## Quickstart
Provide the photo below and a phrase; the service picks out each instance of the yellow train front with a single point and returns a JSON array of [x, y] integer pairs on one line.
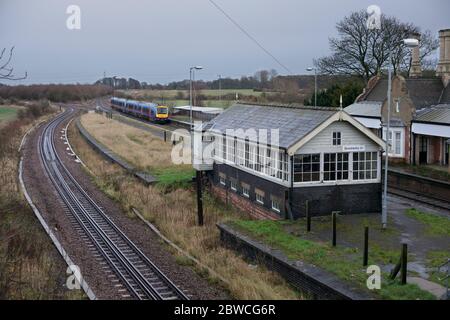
[[162, 114]]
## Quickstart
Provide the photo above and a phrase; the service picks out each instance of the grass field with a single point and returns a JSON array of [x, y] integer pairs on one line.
[[181, 97], [141, 148], [173, 210], [8, 113], [172, 94]]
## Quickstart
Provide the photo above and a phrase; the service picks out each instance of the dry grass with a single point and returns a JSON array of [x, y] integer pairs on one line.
[[141, 148], [30, 267], [174, 212]]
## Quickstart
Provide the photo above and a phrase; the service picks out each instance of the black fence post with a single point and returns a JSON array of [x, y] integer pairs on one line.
[[404, 263], [199, 198], [165, 135], [366, 247], [333, 218], [308, 217]]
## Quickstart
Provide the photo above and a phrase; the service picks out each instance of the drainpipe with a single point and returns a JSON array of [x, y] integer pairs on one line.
[[291, 191], [414, 148]]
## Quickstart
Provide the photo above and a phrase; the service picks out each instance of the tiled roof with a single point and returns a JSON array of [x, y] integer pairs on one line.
[[293, 122], [424, 92], [446, 96], [439, 114], [379, 92], [365, 109]]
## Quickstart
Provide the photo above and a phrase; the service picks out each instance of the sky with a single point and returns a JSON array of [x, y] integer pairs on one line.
[[158, 40]]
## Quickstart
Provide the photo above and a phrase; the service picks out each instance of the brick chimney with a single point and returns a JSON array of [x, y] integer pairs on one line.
[[416, 67], [443, 68]]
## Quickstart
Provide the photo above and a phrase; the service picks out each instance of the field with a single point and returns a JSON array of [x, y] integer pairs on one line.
[[173, 210], [209, 98], [7, 114]]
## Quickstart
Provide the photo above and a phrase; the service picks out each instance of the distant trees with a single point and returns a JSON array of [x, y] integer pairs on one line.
[[331, 97], [53, 92], [363, 52]]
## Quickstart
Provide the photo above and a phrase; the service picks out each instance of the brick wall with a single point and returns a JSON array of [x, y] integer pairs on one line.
[[253, 209]]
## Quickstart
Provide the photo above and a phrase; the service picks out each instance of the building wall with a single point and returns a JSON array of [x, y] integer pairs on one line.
[[323, 142], [322, 199], [349, 199], [270, 188]]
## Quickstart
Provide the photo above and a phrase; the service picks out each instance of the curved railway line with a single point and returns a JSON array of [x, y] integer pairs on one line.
[[142, 278]]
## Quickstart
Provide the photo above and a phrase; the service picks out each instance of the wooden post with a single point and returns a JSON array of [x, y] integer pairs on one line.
[[404, 263], [199, 198], [366, 247], [308, 217], [333, 218]]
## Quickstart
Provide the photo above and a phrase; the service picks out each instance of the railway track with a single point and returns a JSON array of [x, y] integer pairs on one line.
[[439, 204], [142, 279]]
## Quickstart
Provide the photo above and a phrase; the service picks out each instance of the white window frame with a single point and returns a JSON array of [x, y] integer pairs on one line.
[[393, 142], [336, 139], [276, 167], [246, 192], [222, 180], [277, 207], [259, 198], [233, 185]]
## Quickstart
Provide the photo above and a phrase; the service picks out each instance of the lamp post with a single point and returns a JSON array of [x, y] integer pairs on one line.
[[220, 89], [410, 43], [191, 78], [315, 83]]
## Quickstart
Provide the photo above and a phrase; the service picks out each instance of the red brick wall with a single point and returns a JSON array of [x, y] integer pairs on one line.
[[254, 210]]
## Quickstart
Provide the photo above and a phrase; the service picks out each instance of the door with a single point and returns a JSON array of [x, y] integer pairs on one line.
[[423, 150]]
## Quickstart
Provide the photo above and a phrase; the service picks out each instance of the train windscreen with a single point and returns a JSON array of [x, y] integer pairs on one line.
[[162, 110]]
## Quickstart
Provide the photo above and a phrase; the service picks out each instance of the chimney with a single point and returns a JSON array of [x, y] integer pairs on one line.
[[416, 68], [443, 68]]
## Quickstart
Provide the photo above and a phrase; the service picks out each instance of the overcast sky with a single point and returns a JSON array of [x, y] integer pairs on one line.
[[157, 40]]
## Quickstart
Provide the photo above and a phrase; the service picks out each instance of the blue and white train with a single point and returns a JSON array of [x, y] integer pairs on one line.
[[146, 110]]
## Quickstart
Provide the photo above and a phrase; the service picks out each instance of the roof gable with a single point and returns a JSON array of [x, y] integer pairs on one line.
[[338, 116]]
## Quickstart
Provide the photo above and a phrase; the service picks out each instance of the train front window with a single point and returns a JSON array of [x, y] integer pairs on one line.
[[162, 110]]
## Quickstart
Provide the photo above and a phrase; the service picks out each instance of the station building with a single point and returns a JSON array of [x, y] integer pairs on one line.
[[420, 111], [271, 160]]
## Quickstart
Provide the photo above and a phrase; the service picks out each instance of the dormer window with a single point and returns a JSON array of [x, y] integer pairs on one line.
[[336, 138]]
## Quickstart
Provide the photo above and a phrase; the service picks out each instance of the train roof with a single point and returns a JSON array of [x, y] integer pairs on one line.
[[138, 103]]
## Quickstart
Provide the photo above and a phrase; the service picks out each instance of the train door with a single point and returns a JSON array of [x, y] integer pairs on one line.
[[423, 150]]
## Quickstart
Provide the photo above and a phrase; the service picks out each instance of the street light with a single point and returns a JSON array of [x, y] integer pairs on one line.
[[220, 89], [409, 43], [191, 78], [315, 83]]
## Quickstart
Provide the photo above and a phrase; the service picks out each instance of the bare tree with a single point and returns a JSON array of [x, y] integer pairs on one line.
[[6, 71], [364, 52]]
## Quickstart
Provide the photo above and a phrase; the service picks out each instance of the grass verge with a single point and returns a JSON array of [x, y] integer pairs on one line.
[[30, 266], [435, 225]]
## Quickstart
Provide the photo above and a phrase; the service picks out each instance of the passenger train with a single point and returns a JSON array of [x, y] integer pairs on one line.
[[146, 110]]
